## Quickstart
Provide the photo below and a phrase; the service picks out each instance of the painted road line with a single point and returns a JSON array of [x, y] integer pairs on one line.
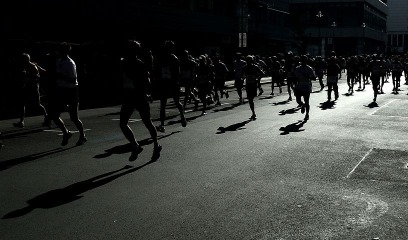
[[130, 120], [60, 132], [383, 106], [358, 164]]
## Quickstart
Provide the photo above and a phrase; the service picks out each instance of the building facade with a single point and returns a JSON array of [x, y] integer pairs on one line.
[[397, 26], [200, 25], [348, 27]]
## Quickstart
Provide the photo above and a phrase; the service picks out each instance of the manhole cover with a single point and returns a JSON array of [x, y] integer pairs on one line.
[[395, 108], [383, 165]]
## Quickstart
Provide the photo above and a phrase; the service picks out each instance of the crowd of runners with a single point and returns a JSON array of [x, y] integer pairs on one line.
[[202, 79]]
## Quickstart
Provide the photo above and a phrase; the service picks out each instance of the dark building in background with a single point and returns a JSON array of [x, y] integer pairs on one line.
[[347, 26], [97, 29], [200, 25]]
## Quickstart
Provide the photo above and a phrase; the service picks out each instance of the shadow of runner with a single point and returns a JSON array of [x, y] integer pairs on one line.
[[233, 127], [327, 105], [58, 197], [17, 161], [127, 148], [372, 105], [294, 127], [289, 111], [281, 103]]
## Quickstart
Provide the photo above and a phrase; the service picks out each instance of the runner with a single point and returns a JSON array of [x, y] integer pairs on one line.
[[220, 74], [397, 69], [320, 69], [333, 75], [239, 64], [169, 74], [375, 67], [203, 82], [290, 65], [188, 74], [136, 83], [252, 72], [275, 69], [303, 85], [352, 73], [30, 90], [66, 95]]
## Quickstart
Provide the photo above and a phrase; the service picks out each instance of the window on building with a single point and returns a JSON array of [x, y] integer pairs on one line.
[[394, 40], [399, 40], [406, 40]]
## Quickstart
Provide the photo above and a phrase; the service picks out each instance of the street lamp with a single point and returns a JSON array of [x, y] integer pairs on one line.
[[334, 24], [363, 26], [319, 15]]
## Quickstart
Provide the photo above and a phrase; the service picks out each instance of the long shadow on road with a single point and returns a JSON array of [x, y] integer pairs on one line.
[[233, 127], [17, 161], [58, 197], [327, 105], [127, 148], [294, 127], [289, 111]]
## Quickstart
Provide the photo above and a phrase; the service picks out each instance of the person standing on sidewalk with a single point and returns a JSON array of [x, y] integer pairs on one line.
[[66, 95], [30, 90], [303, 86], [136, 83], [169, 83]]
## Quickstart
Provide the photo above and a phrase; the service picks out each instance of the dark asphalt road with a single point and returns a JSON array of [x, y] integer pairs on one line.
[[341, 175]]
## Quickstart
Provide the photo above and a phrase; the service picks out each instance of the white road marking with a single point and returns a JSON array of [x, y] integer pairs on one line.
[[358, 164], [383, 106], [60, 132], [130, 120]]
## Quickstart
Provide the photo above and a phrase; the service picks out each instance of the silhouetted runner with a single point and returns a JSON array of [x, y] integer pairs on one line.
[[66, 95], [30, 90], [136, 83], [169, 86], [303, 86]]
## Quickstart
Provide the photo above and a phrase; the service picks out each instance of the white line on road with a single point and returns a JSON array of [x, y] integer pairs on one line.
[[60, 132], [358, 164], [393, 100], [130, 120]]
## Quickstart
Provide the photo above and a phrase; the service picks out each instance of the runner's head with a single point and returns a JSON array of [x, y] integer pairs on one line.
[[65, 48], [25, 58], [249, 59], [169, 46], [133, 48], [303, 59]]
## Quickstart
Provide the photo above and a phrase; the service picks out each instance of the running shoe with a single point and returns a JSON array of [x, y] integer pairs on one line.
[[183, 122], [307, 117], [161, 128], [156, 153], [65, 138], [135, 153], [19, 125], [81, 140]]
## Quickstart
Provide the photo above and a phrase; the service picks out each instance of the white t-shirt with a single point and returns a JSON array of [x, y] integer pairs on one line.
[[67, 74]]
